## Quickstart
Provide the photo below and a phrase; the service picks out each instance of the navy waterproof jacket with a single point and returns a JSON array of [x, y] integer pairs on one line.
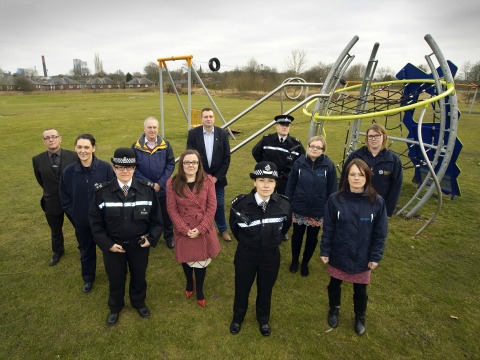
[[77, 187], [354, 231], [310, 184], [387, 174]]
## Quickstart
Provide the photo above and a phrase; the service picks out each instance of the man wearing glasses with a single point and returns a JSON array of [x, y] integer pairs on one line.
[[47, 167], [125, 220], [385, 164], [156, 162]]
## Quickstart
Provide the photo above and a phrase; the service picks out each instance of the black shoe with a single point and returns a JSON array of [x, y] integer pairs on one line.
[[170, 243], [234, 328], [265, 330], [304, 270], [294, 267], [55, 258], [333, 316], [112, 319], [143, 312], [87, 286]]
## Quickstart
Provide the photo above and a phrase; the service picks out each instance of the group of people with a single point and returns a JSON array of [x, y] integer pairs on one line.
[[124, 207]]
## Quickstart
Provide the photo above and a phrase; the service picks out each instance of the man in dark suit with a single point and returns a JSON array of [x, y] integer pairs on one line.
[[48, 166], [212, 144]]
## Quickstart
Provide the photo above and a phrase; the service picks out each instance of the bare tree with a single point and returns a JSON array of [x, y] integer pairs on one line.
[[152, 71], [98, 66], [466, 68], [384, 74], [252, 66], [355, 72], [297, 61]]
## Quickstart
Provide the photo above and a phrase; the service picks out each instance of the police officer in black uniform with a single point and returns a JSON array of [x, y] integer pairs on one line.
[[281, 149], [259, 222], [125, 219]]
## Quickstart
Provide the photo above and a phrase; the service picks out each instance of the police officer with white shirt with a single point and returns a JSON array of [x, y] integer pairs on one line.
[[125, 219], [281, 149], [259, 221]]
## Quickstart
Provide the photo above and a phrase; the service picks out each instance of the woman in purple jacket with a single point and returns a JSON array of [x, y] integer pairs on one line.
[[191, 204]]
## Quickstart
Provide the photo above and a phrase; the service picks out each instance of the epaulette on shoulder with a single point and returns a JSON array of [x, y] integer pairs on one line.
[[147, 182], [100, 186], [238, 198], [284, 197], [295, 139]]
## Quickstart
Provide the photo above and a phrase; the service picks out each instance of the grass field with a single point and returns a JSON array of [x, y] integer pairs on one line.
[[424, 297]]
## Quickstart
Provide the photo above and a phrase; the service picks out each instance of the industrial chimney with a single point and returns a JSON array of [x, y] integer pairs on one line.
[[44, 66]]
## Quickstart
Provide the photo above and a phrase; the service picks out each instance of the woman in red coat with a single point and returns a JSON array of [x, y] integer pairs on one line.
[[191, 204]]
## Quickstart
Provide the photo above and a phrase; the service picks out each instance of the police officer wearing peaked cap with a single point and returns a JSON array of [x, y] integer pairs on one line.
[[281, 149], [125, 219], [259, 221]]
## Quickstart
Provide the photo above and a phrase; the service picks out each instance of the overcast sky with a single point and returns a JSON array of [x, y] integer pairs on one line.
[[129, 34]]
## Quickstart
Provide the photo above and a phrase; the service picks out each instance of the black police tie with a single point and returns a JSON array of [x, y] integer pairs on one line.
[[281, 140], [263, 204], [125, 190], [53, 159]]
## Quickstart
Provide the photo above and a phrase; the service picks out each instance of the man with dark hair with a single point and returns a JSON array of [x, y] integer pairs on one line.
[[155, 163], [212, 144], [47, 167]]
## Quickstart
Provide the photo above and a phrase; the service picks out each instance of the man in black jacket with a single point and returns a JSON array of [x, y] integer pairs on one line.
[[47, 167], [125, 220], [281, 149], [212, 144]]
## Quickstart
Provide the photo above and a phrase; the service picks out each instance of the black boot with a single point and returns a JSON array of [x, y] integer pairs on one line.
[[333, 316], [360, 309], [360, 323]]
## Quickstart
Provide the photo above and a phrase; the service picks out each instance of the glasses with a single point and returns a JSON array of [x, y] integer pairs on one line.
[[313, 147], [374, 137], [123, 168], [190, 163], [53, 137]]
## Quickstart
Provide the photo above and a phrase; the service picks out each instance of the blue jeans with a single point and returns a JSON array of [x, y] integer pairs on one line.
[[220, 219]]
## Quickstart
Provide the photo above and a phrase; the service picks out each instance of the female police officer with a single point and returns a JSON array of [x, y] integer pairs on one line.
[[259, 222], [125, 220]]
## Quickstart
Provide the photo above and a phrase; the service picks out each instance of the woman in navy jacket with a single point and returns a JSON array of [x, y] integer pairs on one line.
[[354, 232], [77, 187], [312, 179]]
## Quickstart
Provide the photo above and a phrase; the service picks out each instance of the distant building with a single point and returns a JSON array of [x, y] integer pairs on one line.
[[78, 66], [140, 82]]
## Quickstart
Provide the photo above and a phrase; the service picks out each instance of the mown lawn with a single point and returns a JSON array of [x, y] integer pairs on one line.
[[424, 297]]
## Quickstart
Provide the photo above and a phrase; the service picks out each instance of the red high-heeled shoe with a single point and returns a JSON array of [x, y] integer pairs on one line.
[[188, 294], [202, 303]]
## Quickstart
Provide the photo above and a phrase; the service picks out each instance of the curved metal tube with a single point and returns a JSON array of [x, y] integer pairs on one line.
[[432, 174]]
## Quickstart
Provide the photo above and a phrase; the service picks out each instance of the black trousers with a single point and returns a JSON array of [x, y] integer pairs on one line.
[[264, 266], [310, 242], [167, 222], [55, 222], [134, 260], [88, 252]]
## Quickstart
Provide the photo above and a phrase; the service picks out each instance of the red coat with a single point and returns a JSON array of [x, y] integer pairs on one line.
[[190, 212]]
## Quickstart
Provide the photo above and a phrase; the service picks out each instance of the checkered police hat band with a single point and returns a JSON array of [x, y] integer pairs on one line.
[[261, 172], [124, 160]]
